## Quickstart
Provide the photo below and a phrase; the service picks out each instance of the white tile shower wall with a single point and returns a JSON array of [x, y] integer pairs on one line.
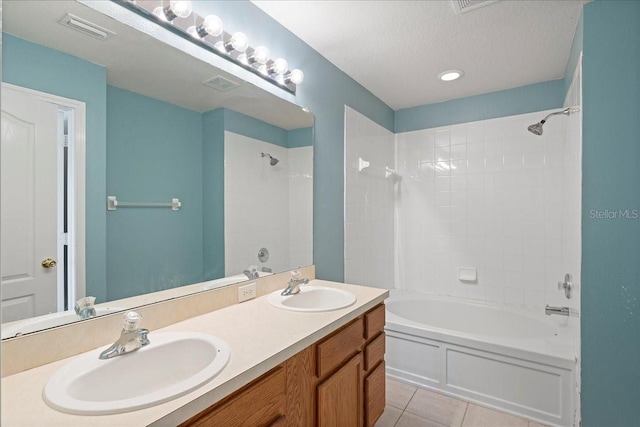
[[572, 219], [257, 205], [369, 202], [484, 195], [300, 206]]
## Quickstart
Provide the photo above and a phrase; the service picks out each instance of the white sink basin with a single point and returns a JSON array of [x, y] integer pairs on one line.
[[173, 364], [313, 298]]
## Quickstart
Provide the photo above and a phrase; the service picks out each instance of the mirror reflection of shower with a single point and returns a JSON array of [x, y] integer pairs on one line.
[[536, 128], [272, 160]]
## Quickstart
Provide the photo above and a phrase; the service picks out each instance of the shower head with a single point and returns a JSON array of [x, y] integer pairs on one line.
[[536, 129], [272, 160]]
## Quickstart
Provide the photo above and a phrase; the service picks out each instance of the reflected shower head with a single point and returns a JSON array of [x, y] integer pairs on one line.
[[272, 160], [536, 129]]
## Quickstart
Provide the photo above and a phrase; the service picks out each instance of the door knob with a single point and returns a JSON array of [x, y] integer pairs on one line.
[[49, 263]]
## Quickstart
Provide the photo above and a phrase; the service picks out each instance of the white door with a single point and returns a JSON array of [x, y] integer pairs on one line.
[[29, 206]]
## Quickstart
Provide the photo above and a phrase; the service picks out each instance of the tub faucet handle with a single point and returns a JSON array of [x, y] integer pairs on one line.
[[566, 285]]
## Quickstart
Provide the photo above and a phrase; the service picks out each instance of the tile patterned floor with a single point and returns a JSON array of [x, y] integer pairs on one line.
[[409, 406]]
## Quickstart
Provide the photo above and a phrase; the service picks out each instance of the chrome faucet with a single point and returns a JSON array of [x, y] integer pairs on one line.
[[84, 307], [561, 311], [131, 338], [294, 284], [251, 272]]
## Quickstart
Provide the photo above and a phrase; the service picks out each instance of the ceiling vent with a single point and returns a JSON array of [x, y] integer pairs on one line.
[[85, 27], [462, 6], [220, 83]]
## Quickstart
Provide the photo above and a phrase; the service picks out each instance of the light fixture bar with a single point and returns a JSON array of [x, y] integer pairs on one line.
[[232, 47]]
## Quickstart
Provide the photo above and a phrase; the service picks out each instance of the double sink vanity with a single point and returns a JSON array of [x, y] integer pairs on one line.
[[313, 358]]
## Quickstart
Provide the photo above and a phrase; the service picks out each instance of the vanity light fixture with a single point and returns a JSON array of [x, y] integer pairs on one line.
[[208, 33], [450, 75]]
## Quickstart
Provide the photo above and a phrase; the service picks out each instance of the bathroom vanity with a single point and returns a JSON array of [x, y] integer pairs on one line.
[[337, 381], [286, 368]]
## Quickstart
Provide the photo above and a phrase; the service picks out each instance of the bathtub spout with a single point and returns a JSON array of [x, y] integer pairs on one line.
[[561, 311]]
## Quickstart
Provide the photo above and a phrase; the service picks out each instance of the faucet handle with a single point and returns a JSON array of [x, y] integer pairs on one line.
[[131, 321], [83, 304], [295, 274], [566, 285]]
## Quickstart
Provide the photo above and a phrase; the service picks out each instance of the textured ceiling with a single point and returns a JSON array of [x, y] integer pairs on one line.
[[396, 49]]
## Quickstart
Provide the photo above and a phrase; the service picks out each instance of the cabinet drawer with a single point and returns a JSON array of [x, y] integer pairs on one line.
[[374, 352], [374, 395], [339, 347], [374, 322], [261, 403]]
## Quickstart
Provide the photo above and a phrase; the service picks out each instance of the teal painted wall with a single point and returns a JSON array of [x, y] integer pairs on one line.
[[248, 126], [610, 318], [520, 100], [213, 193], [324, 91], [154, 153], [302, 137], [37, 67]]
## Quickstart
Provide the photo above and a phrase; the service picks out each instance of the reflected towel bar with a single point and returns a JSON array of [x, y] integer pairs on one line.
[[113, 204]]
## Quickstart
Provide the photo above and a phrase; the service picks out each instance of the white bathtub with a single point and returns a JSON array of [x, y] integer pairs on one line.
[[517, 361]]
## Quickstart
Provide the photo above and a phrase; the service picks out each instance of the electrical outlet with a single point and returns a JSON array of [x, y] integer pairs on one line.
[[246, 292]]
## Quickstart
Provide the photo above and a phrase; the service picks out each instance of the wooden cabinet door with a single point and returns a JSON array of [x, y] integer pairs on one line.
[[340, 396], [374, 394]]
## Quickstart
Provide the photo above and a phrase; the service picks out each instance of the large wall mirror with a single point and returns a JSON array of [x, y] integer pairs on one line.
[[100, 135]]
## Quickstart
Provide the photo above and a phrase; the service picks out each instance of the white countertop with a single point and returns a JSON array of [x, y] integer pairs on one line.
[[260, 337]]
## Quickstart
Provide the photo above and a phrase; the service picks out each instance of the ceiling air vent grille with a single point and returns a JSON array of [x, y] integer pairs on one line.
[[462, 6], [220, 83], [85, 27]]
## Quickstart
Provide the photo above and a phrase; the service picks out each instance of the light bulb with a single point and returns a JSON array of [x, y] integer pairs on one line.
[[212, 26], [280, 66], [260, 55], [239, 41], [295, 76], [180, 8], [263, 70], [243, 58]]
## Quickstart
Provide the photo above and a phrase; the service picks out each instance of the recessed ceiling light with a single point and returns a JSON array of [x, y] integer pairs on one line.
[[450, 75]]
